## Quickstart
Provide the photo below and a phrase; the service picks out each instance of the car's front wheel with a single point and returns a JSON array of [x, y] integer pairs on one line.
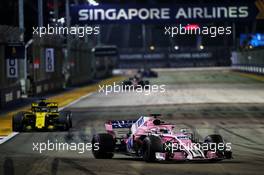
[[103, 146], [216, 143], [151, 145]]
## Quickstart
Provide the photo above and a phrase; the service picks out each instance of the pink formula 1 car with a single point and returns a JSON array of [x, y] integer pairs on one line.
[[155, 140]]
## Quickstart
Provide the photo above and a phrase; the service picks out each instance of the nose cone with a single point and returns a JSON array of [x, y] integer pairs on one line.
[[40, 120]]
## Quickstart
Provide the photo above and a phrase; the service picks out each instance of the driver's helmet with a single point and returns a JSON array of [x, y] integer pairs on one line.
[[160, 131], [40, 109]]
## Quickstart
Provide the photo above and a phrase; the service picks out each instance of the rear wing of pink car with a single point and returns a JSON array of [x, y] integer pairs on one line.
[[116, 124], [119, 128]]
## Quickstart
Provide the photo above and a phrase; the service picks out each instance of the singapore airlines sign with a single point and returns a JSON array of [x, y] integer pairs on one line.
[[83, 14]]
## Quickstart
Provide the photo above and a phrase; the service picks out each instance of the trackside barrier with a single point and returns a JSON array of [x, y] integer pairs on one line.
[[45, 71], [10, 94], [10, 89], [81, 63], [249, 68], [251, 61], [184, 57]]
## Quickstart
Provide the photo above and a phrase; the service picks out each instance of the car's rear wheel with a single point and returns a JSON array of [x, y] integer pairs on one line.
[[213, 142], [151, 145], [214, 138], [103, 146], [17, 122]]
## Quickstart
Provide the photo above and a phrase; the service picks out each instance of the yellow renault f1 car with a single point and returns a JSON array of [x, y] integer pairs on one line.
[[42, 116]]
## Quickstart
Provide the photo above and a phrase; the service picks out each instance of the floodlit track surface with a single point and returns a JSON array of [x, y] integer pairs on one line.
[[240, 123]]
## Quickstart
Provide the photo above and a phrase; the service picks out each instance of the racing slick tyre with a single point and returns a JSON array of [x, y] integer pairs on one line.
[[151, 145], [143, 84], [17, 122], [65, 120], [146, 82], [126, 84], [103, 146], [216, 139], [69, 118]]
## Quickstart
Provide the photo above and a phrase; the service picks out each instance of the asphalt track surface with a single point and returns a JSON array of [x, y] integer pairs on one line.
[[240, 123]]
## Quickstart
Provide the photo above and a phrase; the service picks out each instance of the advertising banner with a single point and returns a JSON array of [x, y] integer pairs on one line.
[[170, 13]]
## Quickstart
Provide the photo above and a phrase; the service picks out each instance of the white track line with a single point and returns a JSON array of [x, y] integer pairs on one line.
[[13, 134], [76, 101]]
